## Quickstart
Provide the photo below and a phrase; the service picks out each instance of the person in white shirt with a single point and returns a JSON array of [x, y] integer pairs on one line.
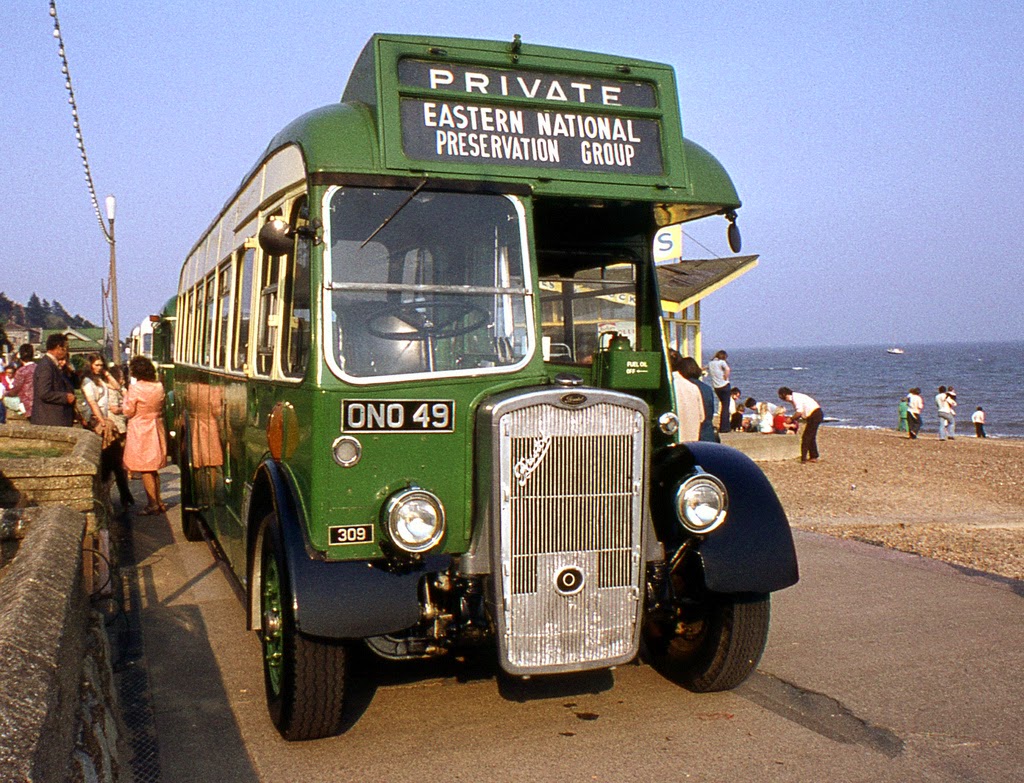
[[806, 408], [915, 404], [719, 373], [947, 423], [978, 417]]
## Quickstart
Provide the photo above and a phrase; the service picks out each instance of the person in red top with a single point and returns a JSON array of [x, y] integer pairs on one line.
[[7, 400], [24, 384]]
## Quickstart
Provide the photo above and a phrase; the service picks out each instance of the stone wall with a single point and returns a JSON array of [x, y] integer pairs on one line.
[[764, 447], [71, 478], [59, 719]]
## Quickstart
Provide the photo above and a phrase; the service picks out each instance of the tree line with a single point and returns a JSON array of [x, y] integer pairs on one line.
[[39, 314]]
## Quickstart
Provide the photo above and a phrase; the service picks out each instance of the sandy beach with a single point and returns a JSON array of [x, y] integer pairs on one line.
[[961, 501]]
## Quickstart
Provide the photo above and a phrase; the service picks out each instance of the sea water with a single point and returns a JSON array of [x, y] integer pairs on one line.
[[861, 385]]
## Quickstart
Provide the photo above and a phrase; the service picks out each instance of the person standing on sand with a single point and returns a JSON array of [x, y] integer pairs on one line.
[[945, 410], [807, 409], [719, 373], [915, 404], [978, 417], [951, 398]]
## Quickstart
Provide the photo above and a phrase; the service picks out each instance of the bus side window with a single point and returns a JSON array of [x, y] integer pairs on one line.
[[209, 321], [224, 297], [243, 308], [190, 348], [268, 323], [297, 303]]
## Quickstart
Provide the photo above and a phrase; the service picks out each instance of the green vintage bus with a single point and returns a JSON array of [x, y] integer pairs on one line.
[[421, 391]]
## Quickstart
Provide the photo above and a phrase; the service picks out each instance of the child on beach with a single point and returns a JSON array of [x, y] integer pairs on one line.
[[978, 417]]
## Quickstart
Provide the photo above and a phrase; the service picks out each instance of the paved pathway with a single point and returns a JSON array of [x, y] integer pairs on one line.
[[880, 667]]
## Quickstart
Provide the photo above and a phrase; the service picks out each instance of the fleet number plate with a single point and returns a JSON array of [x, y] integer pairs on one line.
[[350, 534], [398, 416]]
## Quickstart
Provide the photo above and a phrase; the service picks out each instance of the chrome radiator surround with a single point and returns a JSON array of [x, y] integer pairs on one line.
[[568, 521]]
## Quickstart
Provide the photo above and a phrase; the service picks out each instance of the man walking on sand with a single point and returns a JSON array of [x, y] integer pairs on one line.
[[807, 409]]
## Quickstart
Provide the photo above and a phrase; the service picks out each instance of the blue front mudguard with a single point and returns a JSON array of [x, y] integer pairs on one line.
[[342, 600], [752, 552]]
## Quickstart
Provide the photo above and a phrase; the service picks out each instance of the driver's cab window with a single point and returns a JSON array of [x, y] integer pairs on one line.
[[425, 283], [584, 308]]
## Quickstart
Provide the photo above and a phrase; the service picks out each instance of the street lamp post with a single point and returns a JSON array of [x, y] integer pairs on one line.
[[116, 352]]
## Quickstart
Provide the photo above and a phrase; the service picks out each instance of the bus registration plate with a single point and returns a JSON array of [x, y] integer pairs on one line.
[[398, 416]]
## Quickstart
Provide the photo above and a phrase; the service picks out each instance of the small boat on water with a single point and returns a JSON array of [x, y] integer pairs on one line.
[[894, 350]]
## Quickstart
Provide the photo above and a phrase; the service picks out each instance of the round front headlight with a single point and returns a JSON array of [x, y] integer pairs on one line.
[[701, 503], [415, 520]]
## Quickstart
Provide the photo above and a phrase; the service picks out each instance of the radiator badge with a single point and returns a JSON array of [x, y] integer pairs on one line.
[[524, 468], [574, 398]]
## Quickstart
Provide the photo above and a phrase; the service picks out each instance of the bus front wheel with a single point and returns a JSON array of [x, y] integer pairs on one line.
[[712, 641], [304, 675]]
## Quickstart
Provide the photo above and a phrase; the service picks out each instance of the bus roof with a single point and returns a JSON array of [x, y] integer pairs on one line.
[[563, 122], [551, 122]]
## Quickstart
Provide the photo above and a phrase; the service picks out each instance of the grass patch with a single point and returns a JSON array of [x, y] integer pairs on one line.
[[29, 449]]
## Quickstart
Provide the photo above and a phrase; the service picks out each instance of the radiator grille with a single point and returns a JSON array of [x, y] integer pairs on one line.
[[571, 514]]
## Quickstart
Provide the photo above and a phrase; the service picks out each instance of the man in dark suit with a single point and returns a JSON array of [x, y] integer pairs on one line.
[[53, 398]]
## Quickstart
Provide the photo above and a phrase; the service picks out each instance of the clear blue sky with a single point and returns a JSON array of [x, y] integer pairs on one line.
[[878, 147]]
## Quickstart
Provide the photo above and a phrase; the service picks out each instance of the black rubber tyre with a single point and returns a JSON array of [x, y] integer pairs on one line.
[[191, 525], [191, 522], [717, 643], [304, 676]]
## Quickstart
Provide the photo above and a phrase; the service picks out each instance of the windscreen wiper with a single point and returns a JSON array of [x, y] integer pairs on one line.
[[398, 209]]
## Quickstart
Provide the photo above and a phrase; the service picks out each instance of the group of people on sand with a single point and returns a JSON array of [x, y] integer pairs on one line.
[[912, 405], [763, 417], [695, 405]]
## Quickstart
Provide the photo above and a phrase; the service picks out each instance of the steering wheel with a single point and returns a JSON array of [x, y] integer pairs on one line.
[[429, 320]]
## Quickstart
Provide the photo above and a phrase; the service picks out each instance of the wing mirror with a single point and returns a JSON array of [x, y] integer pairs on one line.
[[276, 237], [733, 233]]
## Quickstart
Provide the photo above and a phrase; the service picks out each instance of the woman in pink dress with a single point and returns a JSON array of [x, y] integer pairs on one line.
[[145, 450]]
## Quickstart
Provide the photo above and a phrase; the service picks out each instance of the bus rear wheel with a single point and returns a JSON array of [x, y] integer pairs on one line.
[[191, 523], [304, 676]]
